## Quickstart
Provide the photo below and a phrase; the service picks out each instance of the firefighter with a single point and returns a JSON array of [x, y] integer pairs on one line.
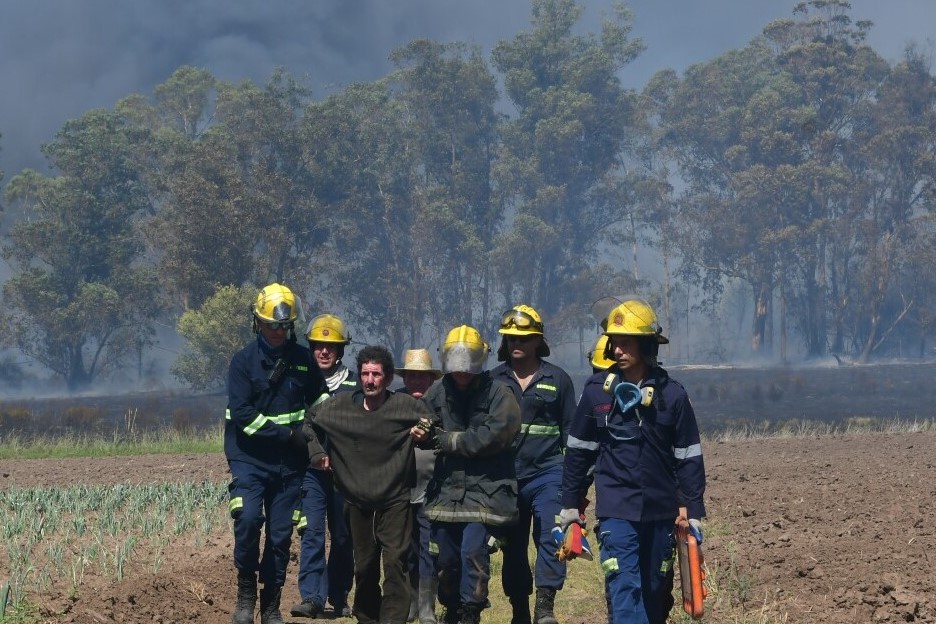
[[597, 358], [473, 490], [648, 464], [547, 403], [321, 501], [418, 375], [271, 382]]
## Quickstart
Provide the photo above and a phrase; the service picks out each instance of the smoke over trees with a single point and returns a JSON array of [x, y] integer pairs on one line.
[[799, 168]]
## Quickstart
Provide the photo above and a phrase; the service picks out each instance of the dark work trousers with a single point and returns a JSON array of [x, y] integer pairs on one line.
[[637, 559], [463, 562], [263, 499], [319, 580], [539, 504], [378, 533], [421, 563]]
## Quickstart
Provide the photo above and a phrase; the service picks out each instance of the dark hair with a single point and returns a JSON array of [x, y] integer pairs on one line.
[[377, 355]]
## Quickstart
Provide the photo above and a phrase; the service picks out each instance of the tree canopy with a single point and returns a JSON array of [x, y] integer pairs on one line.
[[798, 170]]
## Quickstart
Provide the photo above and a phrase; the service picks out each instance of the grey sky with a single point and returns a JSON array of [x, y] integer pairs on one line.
[[60, 58]]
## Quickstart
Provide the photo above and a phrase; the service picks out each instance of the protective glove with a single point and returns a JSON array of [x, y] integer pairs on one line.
[[696, 527], [569, 515], [297, 440]]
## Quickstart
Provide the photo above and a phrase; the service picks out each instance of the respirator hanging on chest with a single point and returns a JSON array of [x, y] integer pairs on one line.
[[626, 394]]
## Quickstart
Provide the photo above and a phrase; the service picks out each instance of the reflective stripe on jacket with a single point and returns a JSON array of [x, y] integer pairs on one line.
[[547, 407], [260, 418], [648, 461], [474, 478]]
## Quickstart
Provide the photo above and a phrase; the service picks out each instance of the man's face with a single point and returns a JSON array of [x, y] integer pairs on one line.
[[523, 347], [373, 379], [462, 380], [325, 354], [625, 351], [417, 382], [274, 333]]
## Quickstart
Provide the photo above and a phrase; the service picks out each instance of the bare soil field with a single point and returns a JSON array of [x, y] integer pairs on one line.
[[833, 529]]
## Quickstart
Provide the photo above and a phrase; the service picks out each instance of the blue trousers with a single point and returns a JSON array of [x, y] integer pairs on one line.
[[263, 499], [421, 563], [463, 563], [319, 579], [539, 505], [637, 559]]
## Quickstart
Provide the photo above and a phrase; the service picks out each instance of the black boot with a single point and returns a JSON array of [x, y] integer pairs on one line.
[[470, 614], [413, 605], [246, 598], [521, 610], [543, 609], [451, 615], [270, 604], [428, 588]]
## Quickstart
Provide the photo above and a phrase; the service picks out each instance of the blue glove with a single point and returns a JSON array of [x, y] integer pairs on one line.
[[696, 527]]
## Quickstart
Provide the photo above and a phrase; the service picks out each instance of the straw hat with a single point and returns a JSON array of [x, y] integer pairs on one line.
[[418, 360]]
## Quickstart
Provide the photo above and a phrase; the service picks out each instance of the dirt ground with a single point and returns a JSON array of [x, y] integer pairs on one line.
[[833, 529]]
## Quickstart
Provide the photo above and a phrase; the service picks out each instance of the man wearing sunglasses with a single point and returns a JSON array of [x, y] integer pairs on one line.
[[547, 404], [271, 382], [636, 426]]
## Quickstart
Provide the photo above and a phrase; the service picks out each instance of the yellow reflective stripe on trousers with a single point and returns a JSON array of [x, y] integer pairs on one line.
[[609, 565], [544, 430], [236, 503]]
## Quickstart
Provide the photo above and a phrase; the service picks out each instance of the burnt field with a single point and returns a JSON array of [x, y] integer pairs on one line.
[[762, 399]]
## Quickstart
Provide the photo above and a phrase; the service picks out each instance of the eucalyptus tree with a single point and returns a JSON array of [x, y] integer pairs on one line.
[[895, 184], [200, 231], [446, 95], [716, 125], [762, 137], [285, 219], [570, 127], [363, 162], [81, 299], [232, 193], [834, 74]]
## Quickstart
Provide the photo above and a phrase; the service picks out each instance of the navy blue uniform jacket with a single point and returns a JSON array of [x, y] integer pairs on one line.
[[260, 417], [648, 463]]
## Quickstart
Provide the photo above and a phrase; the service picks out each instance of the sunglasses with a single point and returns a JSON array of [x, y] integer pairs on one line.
[[520, 320], [280, 325]]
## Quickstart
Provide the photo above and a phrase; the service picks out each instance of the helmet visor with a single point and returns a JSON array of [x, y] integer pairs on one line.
[[520, 320], [283, 312], [461, 357]]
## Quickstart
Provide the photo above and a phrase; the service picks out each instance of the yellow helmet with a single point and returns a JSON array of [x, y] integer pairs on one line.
[[464, 351], [634, 317], [597, 357], [328, 328], [276, 304], [521, 320]]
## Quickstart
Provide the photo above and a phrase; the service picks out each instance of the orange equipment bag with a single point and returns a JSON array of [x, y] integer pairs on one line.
[[691, 574]]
